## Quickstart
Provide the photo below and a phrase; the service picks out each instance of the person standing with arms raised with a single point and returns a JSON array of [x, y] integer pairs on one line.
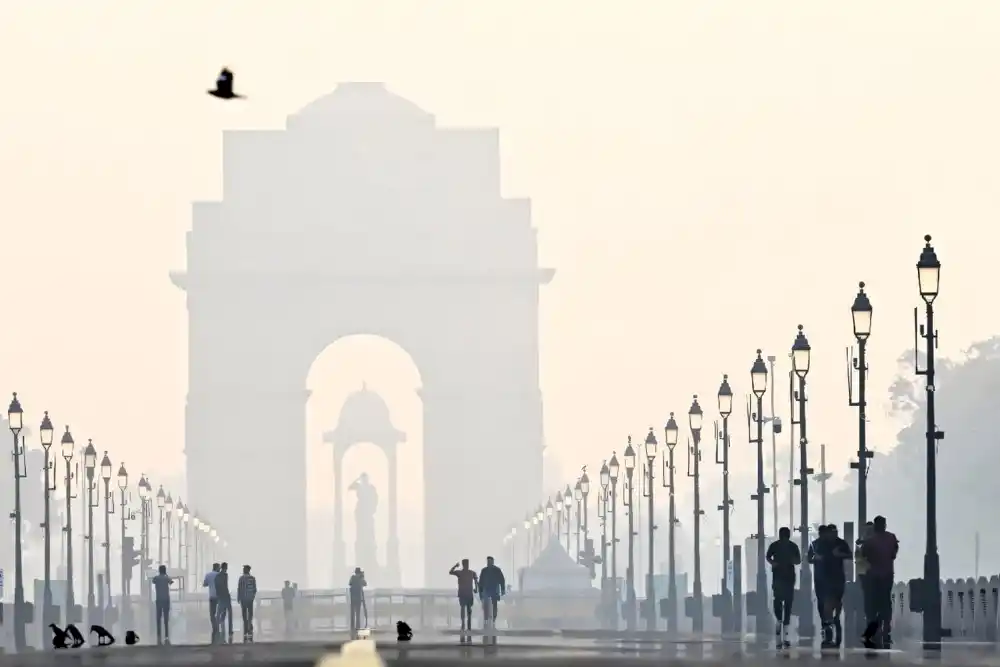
[[468, 584]]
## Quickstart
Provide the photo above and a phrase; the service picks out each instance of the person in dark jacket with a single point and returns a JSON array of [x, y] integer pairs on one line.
[[783, 556], [492, 586], [225, 600], [246, 591], [880, 550]]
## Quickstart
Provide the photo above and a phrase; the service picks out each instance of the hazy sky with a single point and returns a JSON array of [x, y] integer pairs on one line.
[[705, 176]]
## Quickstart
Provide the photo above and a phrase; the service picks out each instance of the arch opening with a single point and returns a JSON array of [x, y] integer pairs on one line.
[[364, 416]]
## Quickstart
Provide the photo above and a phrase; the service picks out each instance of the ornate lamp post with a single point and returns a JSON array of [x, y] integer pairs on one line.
[[46, 433], [758, 381], [861, 318], [929, 281], [584, 485], [126, 557], [15, 420], [90, 465], [109, 509], [613, 471], [695, 418], [578, 497], [670, 436], [602, 514], [145, 491], [630, 498], [801, 353], [652, 447], [567, 507], [68, 447], [180, 510], [161, 502], [168, 507], [725, 397], [549, 510]]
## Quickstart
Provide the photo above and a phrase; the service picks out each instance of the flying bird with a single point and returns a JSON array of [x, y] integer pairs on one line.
[[224, 86], [60, 638], [104, 638]]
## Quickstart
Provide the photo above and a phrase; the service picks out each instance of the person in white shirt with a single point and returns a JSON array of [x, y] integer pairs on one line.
[[213, 600]]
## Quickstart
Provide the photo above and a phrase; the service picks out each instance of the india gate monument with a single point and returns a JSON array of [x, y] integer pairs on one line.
[[362, 216]]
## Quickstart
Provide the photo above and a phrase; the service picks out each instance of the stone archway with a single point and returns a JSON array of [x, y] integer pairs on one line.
[[362, 216]]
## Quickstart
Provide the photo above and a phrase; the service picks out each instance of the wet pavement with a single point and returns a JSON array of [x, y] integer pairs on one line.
[[544, 648]]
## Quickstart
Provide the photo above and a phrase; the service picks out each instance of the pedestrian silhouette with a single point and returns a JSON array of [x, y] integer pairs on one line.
[[224, 86], [104, 638], [131, 638]]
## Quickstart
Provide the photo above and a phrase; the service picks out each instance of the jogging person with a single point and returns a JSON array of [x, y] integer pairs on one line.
[[835, 556], [783, 556], [213, 600], [880, 549], [861, 570], [491, 587], [468, 586], [246, 591]]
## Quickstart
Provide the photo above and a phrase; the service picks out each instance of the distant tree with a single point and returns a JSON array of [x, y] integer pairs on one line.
[[968, 461]]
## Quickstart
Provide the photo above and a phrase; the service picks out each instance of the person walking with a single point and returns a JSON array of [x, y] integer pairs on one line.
[[288, 604], [468, 585], [813, 558], [225, 601], [246, 591], [356, 587], [783, 556], [492, 587], [880, 550], [161, 585], [213, 600]]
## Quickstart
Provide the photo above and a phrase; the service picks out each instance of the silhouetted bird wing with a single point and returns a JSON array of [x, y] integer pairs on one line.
[[73, 632], [102, 634], [60, 638]]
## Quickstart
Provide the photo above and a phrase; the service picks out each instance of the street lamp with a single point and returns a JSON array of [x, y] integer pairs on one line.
[[613, 471], [695, 419], [578, 498], [168, 507], [651, 446], [758, 381], [90, 466], [584, 486], [670, 433], [109, 509], [15, 420], [548, 518], [68, 448], [861, 318], [126, 557], [630, 498], [567, 506], [161, 501], [929, 282], [604, 478], [801, 355], [145, 500], [46, 434], [725, 399]]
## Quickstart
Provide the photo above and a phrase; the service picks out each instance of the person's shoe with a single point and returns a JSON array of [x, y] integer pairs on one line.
[[785, 634]]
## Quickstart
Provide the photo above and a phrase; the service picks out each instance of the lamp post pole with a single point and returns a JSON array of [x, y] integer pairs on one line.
[[46, 432], [126, 566], [861, 318], [725, 397], [651, 451], [109, 509], [695, 418], [15, 420], [90, 463], [168, 507], [68, 447], [630, 573], [670, 436], [567, 511], [578, 497], [801, 353], [161, 500], [145, 519], [758, 377], [929, 279], [614, 467], [602, 515]]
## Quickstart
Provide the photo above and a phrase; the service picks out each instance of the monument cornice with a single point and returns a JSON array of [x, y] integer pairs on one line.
[[185, 280]]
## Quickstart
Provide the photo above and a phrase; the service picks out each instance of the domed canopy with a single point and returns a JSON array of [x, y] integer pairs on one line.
[[364, 417], [370, 99]]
